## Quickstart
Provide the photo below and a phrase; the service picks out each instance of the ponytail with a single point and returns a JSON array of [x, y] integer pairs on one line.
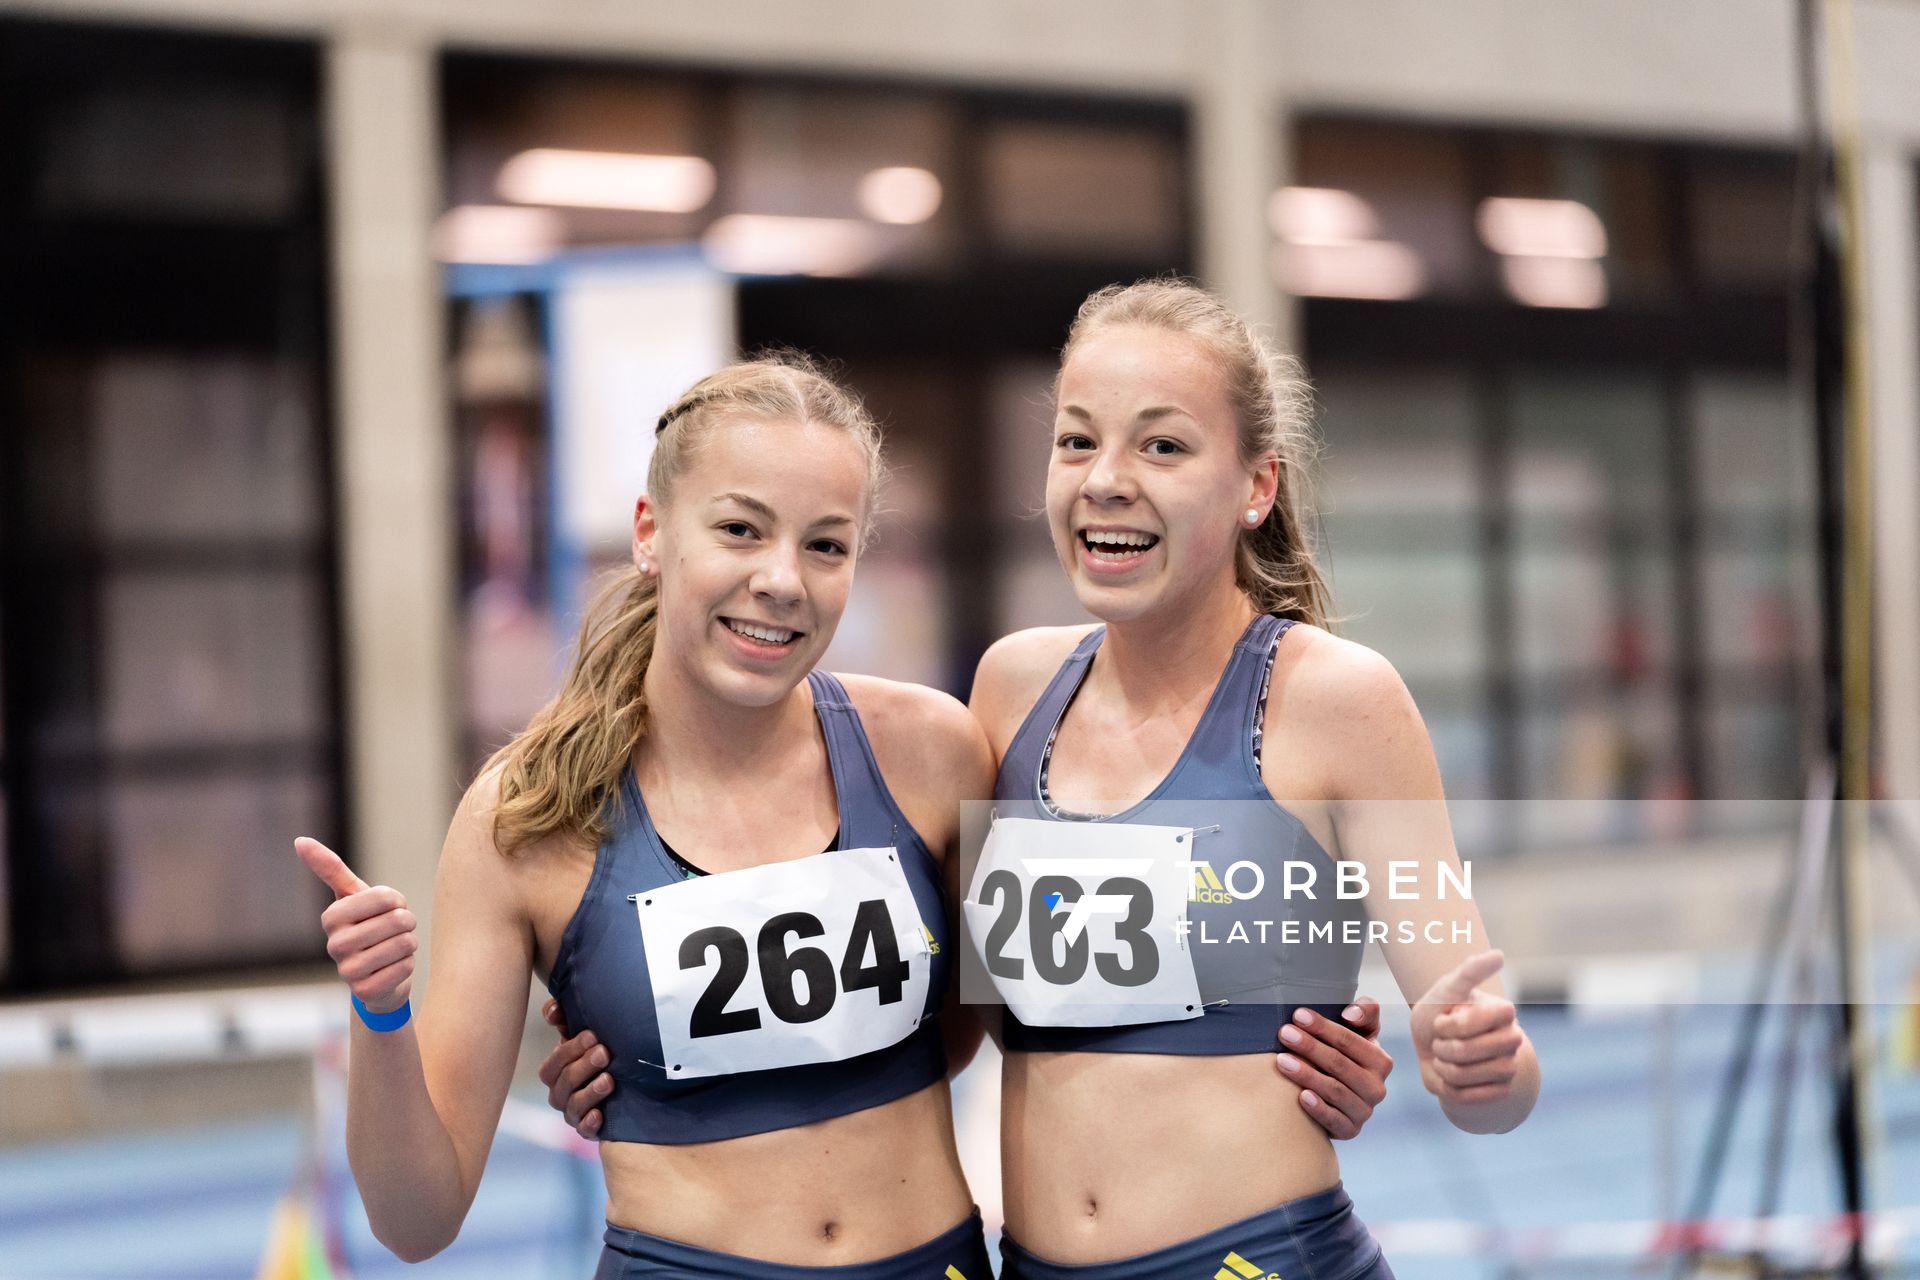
[[560, 771]]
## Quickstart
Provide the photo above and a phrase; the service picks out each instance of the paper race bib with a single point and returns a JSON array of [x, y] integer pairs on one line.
[[1080, 924], [814, 960]]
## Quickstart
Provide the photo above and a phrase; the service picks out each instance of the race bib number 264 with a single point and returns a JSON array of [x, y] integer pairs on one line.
[[817, 959]]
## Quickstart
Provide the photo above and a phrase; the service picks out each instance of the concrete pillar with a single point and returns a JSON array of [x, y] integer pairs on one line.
[[1890, 210], [393, 452], [1238, 139]]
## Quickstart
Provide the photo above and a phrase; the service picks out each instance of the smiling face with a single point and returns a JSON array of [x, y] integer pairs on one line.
[[755, 552], [1146, 490]]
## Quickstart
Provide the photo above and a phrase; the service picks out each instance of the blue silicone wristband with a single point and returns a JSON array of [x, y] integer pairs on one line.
[[391, 1021]]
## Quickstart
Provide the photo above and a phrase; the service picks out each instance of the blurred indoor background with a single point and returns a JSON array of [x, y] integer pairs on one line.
[[332, 334]]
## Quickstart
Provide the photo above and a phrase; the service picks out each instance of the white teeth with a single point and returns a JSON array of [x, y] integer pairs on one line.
[[754, 631], [1103, 538]]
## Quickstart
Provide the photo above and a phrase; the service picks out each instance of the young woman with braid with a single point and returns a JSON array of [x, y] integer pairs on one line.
[[651, 846]]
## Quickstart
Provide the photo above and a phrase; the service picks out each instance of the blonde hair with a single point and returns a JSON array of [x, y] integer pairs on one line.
[[1272, 405], [558, 774]]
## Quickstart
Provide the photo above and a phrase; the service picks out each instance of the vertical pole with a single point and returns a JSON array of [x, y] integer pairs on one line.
[[1239, 142], [395, 484]]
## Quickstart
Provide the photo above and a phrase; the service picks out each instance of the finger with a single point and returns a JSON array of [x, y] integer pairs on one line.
[[580, 1068], [392, 983], [564, 1055], [1478, 1016], [1329, 1119], [342, 943], [1332, 1048], [1481, 1093], [1343, 1112], [1338, 1126], [589, 1124], [554, 1015], [1457, 986], [363, 905], [326, 864], [363, 964], [1499, 1071], [576, 1079], [1363, 1016], [1365, 1078], [1501, 1043], [588, 1098]]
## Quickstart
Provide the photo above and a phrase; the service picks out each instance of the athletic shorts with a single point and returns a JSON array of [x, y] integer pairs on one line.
[[1316, 1237], [959, 1254]]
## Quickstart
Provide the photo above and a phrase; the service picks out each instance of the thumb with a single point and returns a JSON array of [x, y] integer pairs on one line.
[[1457, 987], [326, 864]]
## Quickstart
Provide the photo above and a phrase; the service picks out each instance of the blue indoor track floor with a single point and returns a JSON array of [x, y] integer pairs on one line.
[[1616, 1138]]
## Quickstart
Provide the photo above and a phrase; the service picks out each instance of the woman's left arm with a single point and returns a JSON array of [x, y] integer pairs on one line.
[[1389, 816]]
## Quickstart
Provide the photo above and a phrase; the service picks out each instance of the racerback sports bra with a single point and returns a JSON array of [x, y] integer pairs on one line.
[[600, 975], [1248, 989]]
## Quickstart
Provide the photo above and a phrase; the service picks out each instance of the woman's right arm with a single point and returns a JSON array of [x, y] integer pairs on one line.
[[423, 1101]]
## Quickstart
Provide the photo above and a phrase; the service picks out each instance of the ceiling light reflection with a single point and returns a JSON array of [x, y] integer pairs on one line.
[[1321, 215], [497, 234], [900, 194], [755, 244], [607, 180], [1555, 282], [1541, 228], [1379, 269]]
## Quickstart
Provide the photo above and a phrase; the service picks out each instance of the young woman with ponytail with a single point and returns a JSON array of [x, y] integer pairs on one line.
[[782, 1106], [1175, 495]]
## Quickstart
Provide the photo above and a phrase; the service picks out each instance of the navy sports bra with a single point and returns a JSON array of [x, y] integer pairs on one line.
[[1248, 988], [600, 974]]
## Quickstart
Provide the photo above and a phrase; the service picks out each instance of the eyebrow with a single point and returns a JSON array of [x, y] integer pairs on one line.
[[1153, 414], [766, 512]]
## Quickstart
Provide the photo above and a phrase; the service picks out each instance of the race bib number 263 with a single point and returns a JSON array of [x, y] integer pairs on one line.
[[1079, 924]]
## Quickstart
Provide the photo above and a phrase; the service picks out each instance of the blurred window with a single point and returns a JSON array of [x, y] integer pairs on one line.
[[1568, 478], [1401, 479], [1067, 189], [167, 620], [1739, 210]]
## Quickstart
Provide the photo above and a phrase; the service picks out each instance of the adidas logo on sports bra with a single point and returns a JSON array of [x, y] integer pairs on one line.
[[1207, 886]]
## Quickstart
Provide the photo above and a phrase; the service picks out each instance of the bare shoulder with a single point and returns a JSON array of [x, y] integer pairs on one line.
[[1350, 702], [470, 835], [928, 745], [1013, 672], [473, 851], [1323, 672]]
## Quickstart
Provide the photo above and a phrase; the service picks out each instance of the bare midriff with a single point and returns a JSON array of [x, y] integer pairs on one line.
[[851, 1189], [1108, 1155]]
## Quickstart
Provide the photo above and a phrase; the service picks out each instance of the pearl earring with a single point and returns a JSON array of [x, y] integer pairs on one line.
[[1253, 515]]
